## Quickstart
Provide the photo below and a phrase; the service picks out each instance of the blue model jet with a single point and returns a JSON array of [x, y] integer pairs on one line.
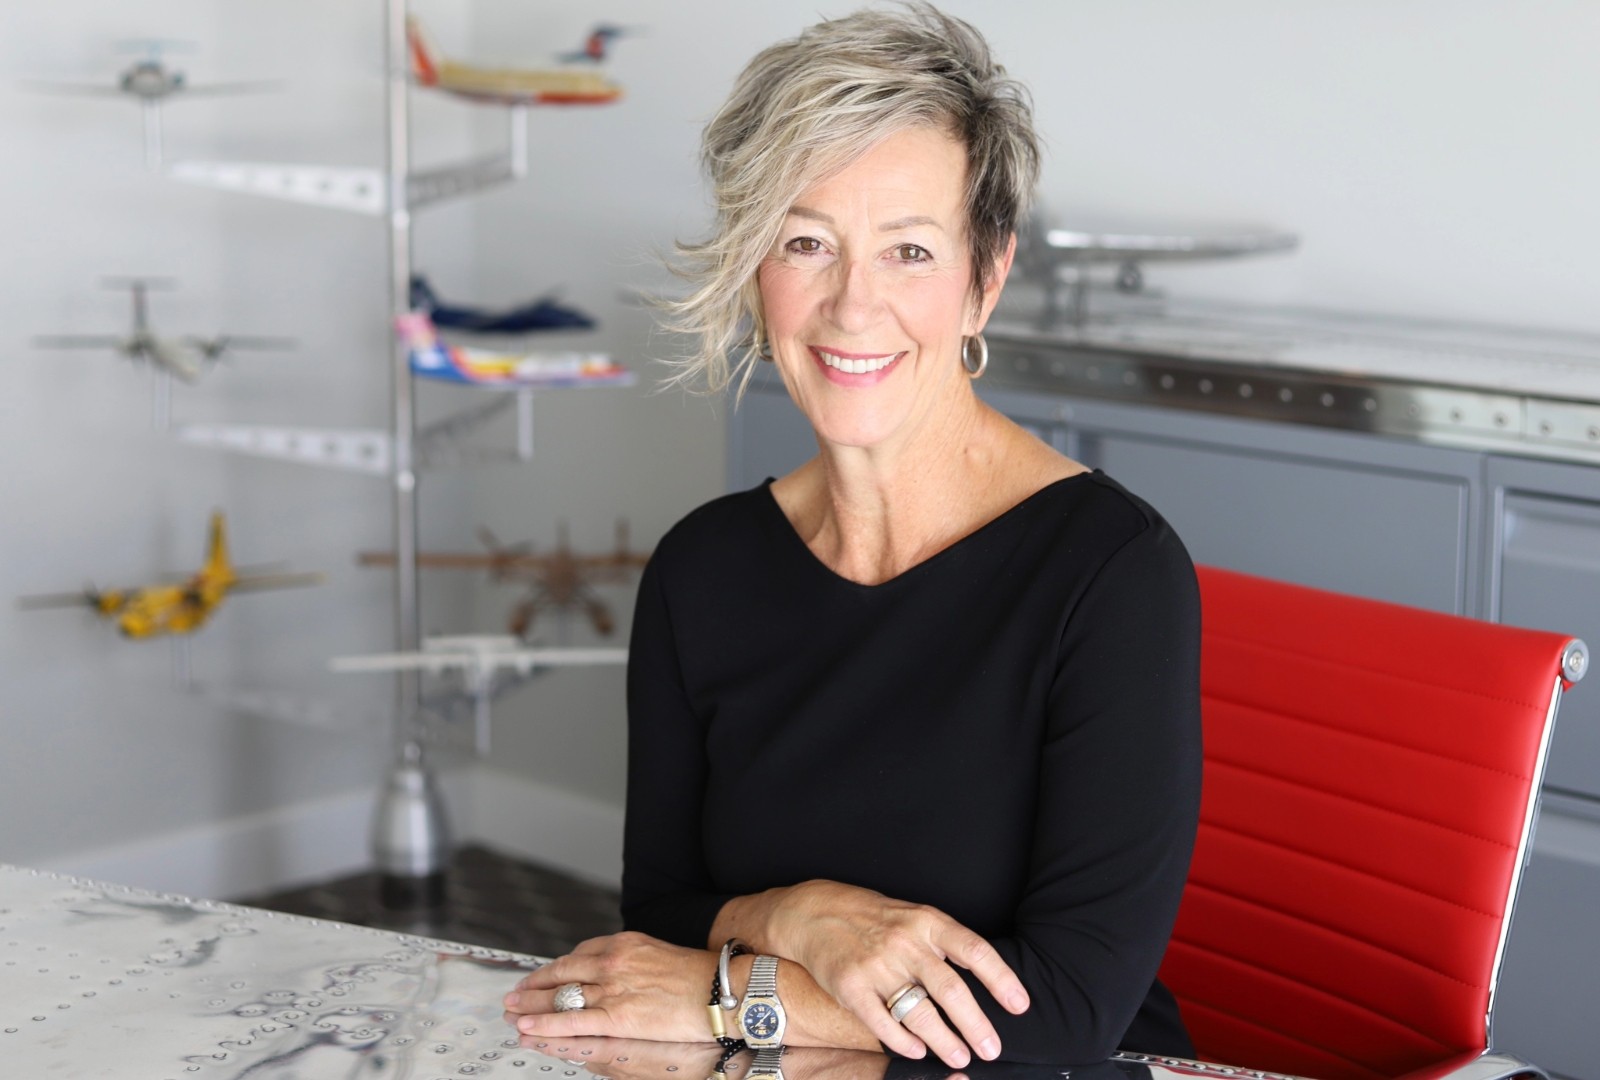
[[545, 313]]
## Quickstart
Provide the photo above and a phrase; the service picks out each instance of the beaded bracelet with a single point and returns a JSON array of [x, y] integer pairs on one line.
[[721, 1002], [731, 1048]]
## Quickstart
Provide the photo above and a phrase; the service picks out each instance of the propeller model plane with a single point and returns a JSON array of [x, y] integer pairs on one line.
[[433, 359], [184, 357], [174, 608], [477, 668], [572, 85], [561, 580], [545, 313], [150, 81]]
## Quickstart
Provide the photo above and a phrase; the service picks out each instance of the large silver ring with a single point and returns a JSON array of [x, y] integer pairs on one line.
[[569, 998], [905, 999]]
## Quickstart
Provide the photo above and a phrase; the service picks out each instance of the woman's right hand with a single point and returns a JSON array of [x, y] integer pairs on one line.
[[861, 947]]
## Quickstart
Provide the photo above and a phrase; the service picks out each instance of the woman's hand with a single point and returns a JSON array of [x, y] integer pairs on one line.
[[861, 947], [634, 986]]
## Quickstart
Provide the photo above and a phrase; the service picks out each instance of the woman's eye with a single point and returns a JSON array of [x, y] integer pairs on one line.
[[805, 245], [911, 253]]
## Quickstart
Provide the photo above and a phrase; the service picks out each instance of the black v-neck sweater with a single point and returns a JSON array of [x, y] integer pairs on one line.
[[1008, 731]]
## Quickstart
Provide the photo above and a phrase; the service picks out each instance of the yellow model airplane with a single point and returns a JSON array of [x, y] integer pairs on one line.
[[179, 607]]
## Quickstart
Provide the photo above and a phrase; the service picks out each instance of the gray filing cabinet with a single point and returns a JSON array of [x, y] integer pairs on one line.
[[1456, 530]]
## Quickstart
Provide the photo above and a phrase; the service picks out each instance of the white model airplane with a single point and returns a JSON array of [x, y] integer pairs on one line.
[[478, 659], [185, 358], [150, 82]]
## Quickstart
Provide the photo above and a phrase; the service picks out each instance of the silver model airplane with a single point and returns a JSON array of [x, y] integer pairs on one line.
[[185, 358], [150, 81]]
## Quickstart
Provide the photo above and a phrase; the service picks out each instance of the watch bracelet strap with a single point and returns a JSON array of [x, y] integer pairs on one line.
[[769, 1057], [763, 978]]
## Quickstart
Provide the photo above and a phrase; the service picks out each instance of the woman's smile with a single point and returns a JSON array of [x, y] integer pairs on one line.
[[854, 369]]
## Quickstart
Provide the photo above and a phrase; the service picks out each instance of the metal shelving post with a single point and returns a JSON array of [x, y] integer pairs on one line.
[[410, 835]]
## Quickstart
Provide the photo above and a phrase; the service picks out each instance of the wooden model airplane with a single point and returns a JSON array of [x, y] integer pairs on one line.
[[560, 581], [177, 607], [185, 357], [574, 85]]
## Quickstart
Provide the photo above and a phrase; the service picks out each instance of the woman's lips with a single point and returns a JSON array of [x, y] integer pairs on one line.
[[854, 369]]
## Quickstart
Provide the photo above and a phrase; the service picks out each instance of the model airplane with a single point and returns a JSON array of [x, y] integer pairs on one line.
[[178, 607], [597, 44], [434, 359], [479, 655], [150, 82], [184, 357], [561, 580], [545, 313], [514, 86], [477, 669]]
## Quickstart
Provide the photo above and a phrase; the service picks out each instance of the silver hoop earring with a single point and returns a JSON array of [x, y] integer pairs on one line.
[[764, 351], [970, 345]]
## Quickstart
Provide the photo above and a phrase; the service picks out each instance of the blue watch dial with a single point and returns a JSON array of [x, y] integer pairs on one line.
[[761, 1020]]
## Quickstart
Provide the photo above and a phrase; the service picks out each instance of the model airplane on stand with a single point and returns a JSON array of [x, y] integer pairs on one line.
[[477, 668], [561, 581], [150, 82], [433, 359], [545, 313], [185, 358], [174, 608], [570, 85]]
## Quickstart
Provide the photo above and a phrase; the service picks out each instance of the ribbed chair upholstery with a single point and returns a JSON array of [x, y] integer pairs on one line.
[[1371, 779]]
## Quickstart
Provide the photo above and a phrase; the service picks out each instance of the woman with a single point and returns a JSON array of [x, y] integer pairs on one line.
[[919, 719]]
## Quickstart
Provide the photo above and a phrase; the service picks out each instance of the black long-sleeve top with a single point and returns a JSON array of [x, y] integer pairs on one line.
[[1008, 731]]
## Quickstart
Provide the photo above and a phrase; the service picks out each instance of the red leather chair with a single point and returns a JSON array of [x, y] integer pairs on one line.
[[1372, 776]]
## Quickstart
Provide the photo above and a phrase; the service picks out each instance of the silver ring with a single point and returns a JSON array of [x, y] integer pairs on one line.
[[906, 999], [569, 998]]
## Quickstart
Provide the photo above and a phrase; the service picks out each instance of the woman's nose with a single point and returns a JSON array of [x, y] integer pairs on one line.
[[855, 298]]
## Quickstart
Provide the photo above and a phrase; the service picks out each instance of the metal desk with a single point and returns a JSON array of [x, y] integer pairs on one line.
[[101, 982]]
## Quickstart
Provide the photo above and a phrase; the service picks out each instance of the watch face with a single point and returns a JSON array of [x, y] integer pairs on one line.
[[761, 1021]]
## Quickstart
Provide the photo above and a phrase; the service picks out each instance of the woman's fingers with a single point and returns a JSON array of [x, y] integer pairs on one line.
[[541, 1000], [955, 999], [869, 1008], [562, 1025], [979, 957], [923, 1019]]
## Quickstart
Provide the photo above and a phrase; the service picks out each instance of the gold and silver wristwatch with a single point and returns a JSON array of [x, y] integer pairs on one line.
[[768, 1064], [761, 1015]]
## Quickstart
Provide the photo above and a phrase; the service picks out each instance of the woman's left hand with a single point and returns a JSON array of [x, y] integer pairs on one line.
[[634, 987]]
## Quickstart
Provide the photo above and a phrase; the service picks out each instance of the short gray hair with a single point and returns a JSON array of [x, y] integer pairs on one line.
[[806, 108]]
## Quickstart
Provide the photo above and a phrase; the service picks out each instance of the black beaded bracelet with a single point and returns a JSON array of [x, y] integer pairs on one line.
[[731, 1048]]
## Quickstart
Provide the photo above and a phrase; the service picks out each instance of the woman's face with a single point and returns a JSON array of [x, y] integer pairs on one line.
[[868, 292]]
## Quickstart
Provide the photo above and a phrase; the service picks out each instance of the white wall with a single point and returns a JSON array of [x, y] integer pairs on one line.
[[1436, 155]]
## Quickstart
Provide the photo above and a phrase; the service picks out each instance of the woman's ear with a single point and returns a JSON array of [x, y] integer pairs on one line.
[[997, 282]]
